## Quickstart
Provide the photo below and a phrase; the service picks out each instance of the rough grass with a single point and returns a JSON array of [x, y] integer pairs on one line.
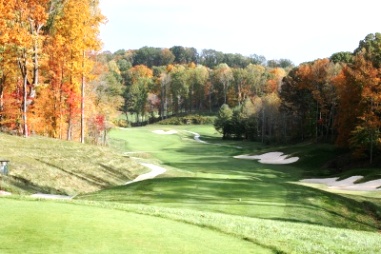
[[47, 165]]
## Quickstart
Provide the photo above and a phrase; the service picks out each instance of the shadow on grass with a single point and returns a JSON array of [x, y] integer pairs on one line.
[[331, 209], [230, 167], [27, 185], [260, 199], [115, 173], [91, 179]]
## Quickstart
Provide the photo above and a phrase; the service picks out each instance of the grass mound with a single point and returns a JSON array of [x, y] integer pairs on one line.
[[39, 164]]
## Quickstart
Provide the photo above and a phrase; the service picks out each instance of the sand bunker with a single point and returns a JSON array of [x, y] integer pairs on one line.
[[270, 158], [346, 184], [165, 132]]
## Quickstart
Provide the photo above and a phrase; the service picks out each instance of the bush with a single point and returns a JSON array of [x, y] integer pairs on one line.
[[189, 119], [122, 123]]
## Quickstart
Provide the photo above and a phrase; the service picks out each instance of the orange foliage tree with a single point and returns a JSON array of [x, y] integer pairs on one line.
[[48, 92], [359, 118]]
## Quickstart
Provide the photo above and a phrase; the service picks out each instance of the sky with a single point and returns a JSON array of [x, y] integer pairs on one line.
[[298, 30]]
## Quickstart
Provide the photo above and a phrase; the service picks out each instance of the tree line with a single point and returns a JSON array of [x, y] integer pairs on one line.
[[153, 56], [51, 82], [55, 82], [334, 100]]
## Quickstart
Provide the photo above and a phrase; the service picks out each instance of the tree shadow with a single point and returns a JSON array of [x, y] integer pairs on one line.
[[90, 179]]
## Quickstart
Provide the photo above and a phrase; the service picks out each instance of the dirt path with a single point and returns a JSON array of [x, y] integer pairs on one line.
[[51, 196], [155, 171]]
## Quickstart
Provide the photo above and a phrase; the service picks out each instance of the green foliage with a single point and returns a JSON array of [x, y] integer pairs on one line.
[[222, 123], [188, 119], [370, 47], [282, 63], [184, 55], [342, 57], [150, 56]]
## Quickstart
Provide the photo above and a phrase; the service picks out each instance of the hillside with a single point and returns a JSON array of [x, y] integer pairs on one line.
[[46, 165], [205, 193]]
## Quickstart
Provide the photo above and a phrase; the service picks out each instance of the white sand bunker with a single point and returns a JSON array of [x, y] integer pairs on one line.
[[165, 132], [270, 158], [346, 184]]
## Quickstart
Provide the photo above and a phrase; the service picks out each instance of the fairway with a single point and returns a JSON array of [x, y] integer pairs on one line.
[[205, 201], [204, 177], [47, 227]]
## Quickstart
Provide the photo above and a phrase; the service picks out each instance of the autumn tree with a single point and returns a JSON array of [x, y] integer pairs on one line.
[[74, 31], [297, 106], [223, 76], [240, 79], [198, 77], [359, 120], [106, 97], [136, 93], [256, 79], [22, 25], [179, 88], [164, 82]]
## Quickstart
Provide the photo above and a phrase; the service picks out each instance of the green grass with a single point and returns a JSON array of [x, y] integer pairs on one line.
[[47, 165], [47, 227], [276, 235], [214, 181], [205, 186]]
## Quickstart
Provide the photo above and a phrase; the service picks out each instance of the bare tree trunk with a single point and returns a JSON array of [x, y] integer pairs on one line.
[[263, 125], [22, 62], [371, 149], [83, 101], [69, 132], [2, 82]]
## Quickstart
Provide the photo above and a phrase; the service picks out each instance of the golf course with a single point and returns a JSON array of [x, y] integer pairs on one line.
[[196, 193]]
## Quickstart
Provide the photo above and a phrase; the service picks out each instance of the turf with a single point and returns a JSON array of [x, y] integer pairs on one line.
[[203, 186], [47, 227], [46, 165], [206, 177]]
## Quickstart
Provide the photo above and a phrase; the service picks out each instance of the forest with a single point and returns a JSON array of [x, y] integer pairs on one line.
[[56, 82]]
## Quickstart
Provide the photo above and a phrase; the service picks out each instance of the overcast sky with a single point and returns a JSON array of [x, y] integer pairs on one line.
[[299, 30]]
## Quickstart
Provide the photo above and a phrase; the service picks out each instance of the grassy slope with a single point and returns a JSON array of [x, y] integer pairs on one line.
[[216, 182], [52, 166], [221, 183], [203, 186]]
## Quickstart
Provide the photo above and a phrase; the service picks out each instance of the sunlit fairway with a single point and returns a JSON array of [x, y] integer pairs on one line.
[[206, 177], [206, 202], [46, 227]]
